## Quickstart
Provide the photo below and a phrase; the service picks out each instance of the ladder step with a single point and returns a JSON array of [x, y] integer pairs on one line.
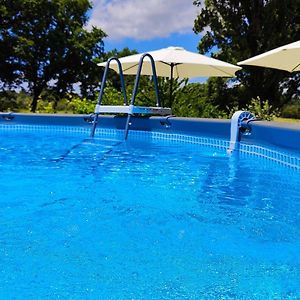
[[132, 109]]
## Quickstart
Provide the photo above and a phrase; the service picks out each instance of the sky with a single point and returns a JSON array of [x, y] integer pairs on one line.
[[146, 25]]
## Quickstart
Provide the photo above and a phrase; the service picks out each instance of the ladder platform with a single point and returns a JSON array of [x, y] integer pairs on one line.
[[132, 109]]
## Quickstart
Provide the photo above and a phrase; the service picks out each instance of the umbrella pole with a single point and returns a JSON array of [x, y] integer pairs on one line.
[[171, 85]]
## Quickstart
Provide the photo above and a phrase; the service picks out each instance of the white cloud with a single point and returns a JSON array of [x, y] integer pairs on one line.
[[143, 19]]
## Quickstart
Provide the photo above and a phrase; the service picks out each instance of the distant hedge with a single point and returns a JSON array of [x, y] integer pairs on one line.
[[291, 111]]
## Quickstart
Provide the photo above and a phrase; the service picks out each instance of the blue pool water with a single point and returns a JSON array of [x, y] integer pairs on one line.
[[144, 219]]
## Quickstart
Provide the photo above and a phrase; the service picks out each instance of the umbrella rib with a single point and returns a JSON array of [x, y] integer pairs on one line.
[[170, 64], [214, 67], [133, 66], [295, 67]]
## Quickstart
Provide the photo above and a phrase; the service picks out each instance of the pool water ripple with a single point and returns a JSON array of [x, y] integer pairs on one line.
[[144, 220]]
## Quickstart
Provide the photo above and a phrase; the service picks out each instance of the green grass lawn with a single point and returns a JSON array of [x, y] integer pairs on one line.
[[287, 120]]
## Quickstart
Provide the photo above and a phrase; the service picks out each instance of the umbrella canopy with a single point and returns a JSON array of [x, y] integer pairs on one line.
[[176, 62], [284, 58]]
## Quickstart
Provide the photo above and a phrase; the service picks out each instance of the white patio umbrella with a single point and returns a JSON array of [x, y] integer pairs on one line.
[[175, 62], [284, 58]]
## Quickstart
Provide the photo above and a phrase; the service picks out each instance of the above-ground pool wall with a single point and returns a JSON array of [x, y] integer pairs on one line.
[[284, 135], [44, 119], [208, 127], [192, 126]]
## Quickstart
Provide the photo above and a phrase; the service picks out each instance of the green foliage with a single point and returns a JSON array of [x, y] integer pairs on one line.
[[8, 101], [62, 106], [78, 105], [261, 109], [81, 106], [242, 29], [11, 101], [290, 88], [164, 86], [146, 95], [118, 53], [112, 96], [44, 107], [45, 44], [221, 94], [291, 111], [192, 101]]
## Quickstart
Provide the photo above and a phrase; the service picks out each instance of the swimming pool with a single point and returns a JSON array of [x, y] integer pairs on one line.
[[149, 218]]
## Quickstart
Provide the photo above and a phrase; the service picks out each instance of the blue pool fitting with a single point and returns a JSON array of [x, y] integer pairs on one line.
[[7, 116]]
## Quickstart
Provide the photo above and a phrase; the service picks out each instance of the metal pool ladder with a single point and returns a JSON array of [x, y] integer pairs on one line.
[[98, 107], [131, 108]]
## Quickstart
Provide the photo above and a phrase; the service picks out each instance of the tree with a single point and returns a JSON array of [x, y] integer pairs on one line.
[[242, 29], [114, 77], [193, 101], [49, 45], [8, 74]]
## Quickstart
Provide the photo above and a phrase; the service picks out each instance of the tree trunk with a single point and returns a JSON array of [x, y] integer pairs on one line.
[[36, 91]]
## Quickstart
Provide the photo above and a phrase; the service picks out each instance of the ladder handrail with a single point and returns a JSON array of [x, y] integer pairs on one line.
[[99, 100], [138, 75], [136, 84]]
